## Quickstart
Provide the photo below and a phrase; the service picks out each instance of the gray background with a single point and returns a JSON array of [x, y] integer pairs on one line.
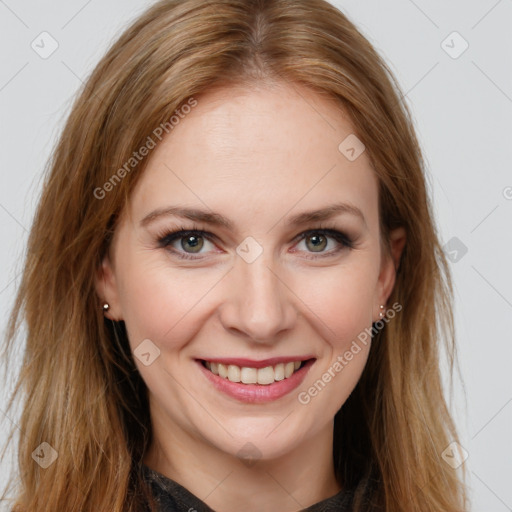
[[462, 108]]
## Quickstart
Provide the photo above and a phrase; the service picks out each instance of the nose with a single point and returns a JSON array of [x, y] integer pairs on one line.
[[258, 304]]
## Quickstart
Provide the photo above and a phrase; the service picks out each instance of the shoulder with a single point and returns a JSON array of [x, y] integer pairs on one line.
[[170, 495]]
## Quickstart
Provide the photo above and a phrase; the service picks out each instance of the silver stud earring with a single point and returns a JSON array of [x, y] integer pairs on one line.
[[381, 314], [106, 307]]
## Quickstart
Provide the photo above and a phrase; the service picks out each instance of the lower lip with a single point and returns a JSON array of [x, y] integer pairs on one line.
[[257, 393]]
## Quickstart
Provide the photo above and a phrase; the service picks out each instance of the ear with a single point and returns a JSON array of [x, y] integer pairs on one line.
[[106, 288], [389, 265]]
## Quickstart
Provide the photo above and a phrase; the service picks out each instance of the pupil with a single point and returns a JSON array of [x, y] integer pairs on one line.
[[318, 242], [193, 242]]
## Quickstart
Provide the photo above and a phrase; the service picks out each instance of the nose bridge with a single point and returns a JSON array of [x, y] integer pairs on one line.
[[260, 304]]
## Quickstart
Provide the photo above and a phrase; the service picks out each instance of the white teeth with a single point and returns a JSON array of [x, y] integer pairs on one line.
[[279, 371], [223, 370], [266, 375], [247, 375], [233, 373]]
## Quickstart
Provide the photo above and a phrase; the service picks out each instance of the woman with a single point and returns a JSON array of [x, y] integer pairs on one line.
[[234, 292]]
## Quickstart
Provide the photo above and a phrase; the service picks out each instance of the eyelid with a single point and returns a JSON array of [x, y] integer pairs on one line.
[[167, 237], [344, 242], [170, 236], [330, 232]]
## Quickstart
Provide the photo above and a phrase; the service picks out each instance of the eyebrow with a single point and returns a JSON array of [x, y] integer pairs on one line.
[[216, 219]]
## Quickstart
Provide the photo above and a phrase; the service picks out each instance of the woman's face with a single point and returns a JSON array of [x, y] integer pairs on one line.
[[253, 172]]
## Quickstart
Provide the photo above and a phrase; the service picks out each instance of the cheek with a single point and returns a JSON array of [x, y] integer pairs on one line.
[[340, 299], [158, 302]]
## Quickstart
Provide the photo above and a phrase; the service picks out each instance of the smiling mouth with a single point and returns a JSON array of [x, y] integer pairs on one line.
[[250, 375]]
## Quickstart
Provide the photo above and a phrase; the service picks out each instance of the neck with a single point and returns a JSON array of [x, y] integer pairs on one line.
[[293, 481]]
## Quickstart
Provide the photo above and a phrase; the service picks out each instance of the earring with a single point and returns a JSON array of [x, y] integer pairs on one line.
[[106, 307], [381, 314]]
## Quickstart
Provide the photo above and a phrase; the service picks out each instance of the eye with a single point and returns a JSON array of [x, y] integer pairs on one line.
[[316, 241], [185, 243]]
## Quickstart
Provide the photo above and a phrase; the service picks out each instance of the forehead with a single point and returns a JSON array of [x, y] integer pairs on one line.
[[258, 152]]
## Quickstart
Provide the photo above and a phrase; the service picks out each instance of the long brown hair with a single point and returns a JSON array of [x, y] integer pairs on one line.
[[80, 388]]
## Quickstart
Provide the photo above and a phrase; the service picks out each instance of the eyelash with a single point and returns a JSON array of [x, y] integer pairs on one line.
[[166, 238]]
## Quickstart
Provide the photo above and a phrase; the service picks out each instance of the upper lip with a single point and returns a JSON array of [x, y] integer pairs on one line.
[[253, 363]]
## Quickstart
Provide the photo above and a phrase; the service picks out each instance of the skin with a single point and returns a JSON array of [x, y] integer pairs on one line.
[[258, 157]]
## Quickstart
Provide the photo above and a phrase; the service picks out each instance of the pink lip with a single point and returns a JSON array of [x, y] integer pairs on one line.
[[257, 393], [263, 363]]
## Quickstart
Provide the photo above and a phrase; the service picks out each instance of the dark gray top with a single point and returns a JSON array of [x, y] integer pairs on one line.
[[173, 497]]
